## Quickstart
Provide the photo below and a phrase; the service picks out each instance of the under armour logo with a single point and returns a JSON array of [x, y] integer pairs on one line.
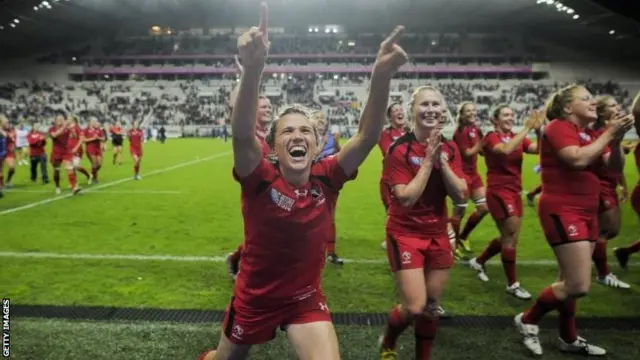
[[237, 332], [406, 257], [324, 307], [300, 193]]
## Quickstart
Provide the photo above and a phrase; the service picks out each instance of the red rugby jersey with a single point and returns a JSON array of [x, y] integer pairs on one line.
[[388, 136], [59, 147], [37, 142], [115, 130], [609, 179], [11, 140], [75, 133], [135, 138], [466, 137], [504, 172], [91, 132], [287, 230], [429, 215], [577, 187]]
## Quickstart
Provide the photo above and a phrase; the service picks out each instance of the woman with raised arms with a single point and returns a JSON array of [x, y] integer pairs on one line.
[[288, 208]]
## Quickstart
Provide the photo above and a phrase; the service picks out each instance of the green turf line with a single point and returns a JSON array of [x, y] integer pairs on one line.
[[71, 340]]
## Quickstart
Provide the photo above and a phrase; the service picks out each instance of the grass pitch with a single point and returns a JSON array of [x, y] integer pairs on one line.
[[188, 207]]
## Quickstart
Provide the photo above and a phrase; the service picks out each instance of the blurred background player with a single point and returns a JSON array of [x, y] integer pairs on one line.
[[94, 137], [75, 145], [61, 154], [278, 266], [421, 168], [609, 217], [622, 254], [37, 143], [22, 145], [397, 128], [503, 153], [135, 136], [329, 145], [3, 154], [115, 130], [569, 153], [104, 130], [468, 137], [10, 156]]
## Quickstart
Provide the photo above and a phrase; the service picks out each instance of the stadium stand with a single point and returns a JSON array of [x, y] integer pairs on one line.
[[90, 62]]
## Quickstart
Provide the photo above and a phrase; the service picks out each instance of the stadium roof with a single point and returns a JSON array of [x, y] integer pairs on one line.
[[603, 27]]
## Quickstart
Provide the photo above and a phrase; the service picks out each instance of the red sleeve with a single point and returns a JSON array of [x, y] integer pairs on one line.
[[32, 140], [51, 131], [330, 167], [597, 134], [561, 134], [265, 171], [454, 159], [490, 141], [396, 169], [385, 141], [526, 144], [461, 138], [264, 147]]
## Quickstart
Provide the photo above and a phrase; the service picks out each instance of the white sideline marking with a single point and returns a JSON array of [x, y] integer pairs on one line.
[[169, 192], [112, 183], [216, 259]]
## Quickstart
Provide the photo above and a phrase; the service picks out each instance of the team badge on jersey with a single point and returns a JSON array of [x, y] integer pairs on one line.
[[444, 156], [572, 230], [416, 160], [585, 136], [318, 196], [282, 201]]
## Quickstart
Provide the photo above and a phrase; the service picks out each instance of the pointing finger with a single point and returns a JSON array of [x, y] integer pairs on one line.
[[264, 17], [394, 36]]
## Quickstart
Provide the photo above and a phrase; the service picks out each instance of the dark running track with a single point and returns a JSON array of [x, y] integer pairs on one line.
[[356, 319]]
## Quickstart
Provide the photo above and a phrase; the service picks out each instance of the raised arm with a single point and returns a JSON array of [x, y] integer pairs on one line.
[[253, 47], [534, 147], [79, 145], [234, 92], [408, 189], [474, 150], [533, 122], [615, 158], [581, 157], [390, 58], [452, 176]]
